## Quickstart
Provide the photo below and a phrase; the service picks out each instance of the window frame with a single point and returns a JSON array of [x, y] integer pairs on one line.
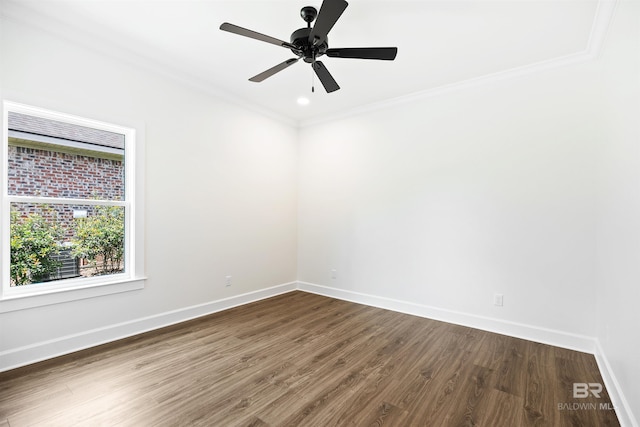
[[32, 295]]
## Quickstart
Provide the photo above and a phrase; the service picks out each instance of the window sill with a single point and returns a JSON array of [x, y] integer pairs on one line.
[[31, 300]]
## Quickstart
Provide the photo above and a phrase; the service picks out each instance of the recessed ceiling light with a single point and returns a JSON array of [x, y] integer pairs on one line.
[[303, 101]]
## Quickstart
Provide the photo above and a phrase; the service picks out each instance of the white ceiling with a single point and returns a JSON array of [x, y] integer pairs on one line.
[[439, 43]]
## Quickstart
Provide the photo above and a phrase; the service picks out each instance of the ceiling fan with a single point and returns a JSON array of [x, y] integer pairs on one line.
[[310, 43]]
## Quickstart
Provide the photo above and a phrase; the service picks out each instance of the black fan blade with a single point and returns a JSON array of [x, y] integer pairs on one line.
[[255, 35], [384, 53], [323, 74], [329, 13], [271, 71]]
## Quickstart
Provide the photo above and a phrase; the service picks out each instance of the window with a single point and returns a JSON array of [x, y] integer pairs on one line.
[[69, 207]]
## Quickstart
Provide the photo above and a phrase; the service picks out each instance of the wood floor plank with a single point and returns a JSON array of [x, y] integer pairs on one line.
[[17, 397], [500, 409], [335, 374], [540, 401], [465, 410], [507, 357], [418, 367], [381, 414], [432, 405], [301, 359], [393, 372]]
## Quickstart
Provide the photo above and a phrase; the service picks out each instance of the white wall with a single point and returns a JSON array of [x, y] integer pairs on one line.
[[220, 186], [448, 200], [618, 226]]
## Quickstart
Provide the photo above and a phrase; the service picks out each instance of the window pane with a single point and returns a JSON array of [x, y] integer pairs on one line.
[[55, 159], [53, 242]]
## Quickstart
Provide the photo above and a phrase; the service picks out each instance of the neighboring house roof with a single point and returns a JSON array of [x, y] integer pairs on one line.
[[25, 124]]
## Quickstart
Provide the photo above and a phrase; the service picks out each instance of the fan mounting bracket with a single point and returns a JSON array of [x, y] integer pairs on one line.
[[308, 13]]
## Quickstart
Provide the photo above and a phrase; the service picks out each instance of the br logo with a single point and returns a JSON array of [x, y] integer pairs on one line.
[[582, 390]]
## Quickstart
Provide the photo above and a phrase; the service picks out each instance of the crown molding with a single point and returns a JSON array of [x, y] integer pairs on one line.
[[452, 87], [23, 14], [599, 29]]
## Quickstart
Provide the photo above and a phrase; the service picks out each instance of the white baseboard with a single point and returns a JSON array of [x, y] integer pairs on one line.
[[620, 403], [17, 357], [519, 330]]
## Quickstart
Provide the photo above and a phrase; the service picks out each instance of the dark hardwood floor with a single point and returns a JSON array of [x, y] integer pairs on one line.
[[303, 359]]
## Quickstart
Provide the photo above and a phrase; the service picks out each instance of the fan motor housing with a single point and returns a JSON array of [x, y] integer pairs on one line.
[[300, 39]]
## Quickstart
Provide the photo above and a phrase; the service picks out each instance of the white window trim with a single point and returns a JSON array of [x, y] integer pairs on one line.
[[34, 295]]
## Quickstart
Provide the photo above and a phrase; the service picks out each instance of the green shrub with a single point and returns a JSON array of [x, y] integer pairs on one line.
[[34, 242], [99, 238]]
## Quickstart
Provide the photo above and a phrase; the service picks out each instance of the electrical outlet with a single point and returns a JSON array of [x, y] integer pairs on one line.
[[498, 299], [227, 281], [334, 274]]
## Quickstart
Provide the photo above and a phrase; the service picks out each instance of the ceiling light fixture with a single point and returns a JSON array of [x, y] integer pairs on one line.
[[303, 101]]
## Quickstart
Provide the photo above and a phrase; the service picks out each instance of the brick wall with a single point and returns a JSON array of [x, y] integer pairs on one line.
[[53, 174], [36, 172]]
